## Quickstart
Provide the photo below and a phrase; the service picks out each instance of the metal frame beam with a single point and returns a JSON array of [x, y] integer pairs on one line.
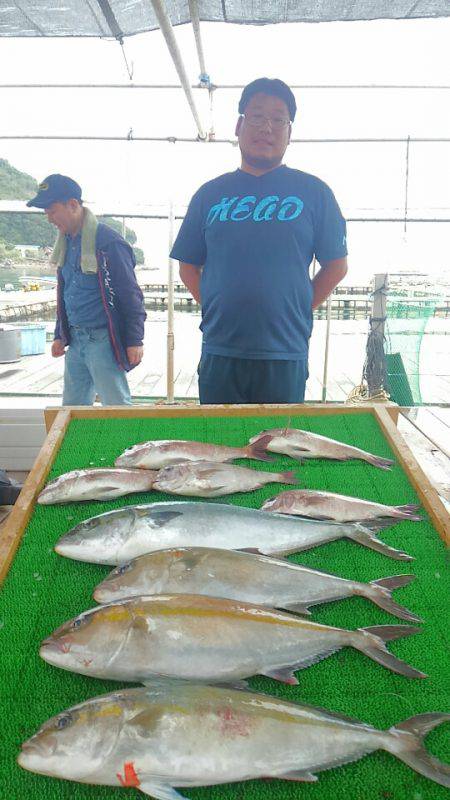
[[195, 21], [167, 31]]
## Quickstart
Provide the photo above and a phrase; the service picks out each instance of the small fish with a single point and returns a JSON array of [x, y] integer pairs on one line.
[[300, 444], [164, 453], [118, 536], [174, 733], [206, 639], [208, 479], [242, 576], [96, 484], [339, 507]]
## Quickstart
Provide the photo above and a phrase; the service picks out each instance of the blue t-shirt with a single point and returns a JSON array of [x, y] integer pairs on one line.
[[255, 237], [82, 296]]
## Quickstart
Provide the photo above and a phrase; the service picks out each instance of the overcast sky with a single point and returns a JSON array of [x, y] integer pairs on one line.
[[368, 179]]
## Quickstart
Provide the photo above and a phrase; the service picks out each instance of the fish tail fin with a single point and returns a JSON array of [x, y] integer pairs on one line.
[[378, 461], [371, 641], [410, 749], [380, 592], [407, 512], [287, 477], [365, 535], [257, 450]]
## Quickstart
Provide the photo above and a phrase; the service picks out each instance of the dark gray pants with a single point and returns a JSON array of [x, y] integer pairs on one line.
[[222, 379]]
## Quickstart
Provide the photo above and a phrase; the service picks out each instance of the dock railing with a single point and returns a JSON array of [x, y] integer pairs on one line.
[[345, 303]]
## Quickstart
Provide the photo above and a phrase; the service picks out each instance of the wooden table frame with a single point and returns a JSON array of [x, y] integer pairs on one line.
[[57, 422]]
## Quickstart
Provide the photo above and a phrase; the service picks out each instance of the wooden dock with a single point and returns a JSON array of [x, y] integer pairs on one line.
[[41, 375]]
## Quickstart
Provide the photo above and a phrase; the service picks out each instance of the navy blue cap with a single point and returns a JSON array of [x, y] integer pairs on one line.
[[271, 86], [55, 189]]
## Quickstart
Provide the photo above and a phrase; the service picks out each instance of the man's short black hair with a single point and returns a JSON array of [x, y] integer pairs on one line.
[[271, 86]]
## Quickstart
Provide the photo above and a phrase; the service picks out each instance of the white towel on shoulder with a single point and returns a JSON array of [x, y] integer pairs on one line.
[[88, 251]]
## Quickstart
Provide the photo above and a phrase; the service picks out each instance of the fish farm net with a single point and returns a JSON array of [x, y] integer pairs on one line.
[[405, 327]]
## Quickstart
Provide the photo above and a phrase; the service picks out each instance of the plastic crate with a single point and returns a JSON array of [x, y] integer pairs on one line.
[[33, 338]]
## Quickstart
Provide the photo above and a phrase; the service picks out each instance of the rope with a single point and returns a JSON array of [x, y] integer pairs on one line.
[[374, 363]]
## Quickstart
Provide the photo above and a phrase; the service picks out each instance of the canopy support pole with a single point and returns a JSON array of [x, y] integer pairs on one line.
[[167, 31], [325, 358], [195, 20], [170, 315]]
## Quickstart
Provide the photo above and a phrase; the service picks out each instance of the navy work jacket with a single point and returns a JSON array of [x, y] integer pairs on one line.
[[121, 295]]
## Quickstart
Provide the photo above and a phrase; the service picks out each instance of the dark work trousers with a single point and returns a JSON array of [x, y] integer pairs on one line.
[[222, 379]]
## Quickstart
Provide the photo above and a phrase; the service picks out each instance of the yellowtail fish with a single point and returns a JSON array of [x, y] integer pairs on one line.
[[118, 536], [178, 734], [207, 639], [158, 454], [96, 484], [243, 576], [338, 507], [301, 444], [209, 479]]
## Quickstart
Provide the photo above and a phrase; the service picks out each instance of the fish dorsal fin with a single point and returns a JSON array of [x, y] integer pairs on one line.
[[297, 608], [286, 674]]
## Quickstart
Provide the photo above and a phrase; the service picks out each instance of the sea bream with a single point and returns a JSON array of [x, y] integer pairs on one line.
[[173, 733], [103, 483], [210, 479], [210, 639], [163, 453], [243, 576], [300, 444], [118, 536], [338, 507]]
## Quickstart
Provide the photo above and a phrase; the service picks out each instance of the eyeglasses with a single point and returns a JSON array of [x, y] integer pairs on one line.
[[258, 120]]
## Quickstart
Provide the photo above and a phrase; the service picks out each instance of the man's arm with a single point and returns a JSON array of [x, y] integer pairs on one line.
[[190, 275], [329, 275]]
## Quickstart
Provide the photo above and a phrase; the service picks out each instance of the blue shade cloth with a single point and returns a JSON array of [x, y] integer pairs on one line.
[[82, 296], [255, 237]]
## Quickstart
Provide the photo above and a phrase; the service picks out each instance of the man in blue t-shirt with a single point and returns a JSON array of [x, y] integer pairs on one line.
[[245, 247]]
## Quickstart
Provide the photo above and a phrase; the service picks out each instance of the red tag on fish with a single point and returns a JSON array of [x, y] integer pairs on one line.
[[130, 780]]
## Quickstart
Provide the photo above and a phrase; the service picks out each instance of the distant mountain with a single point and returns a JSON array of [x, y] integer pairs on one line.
[[15, 185], [35, 230]]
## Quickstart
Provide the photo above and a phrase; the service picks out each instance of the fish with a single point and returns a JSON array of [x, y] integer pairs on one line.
[[208, 639], [163, 453], [101, 483], [115, 537], [178, 734], [209, 479], [243, 576], [338, 507], [300, 444]]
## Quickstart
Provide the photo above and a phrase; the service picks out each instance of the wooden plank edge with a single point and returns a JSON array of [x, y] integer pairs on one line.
[[424, 488], [195, 410], [50, 415], [17, 521]]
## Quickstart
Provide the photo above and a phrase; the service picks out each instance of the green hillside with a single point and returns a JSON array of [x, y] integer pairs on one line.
[[35, 230]]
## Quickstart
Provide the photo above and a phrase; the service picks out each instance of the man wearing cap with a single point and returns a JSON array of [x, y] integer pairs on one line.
[[245, 247], [100, 307]]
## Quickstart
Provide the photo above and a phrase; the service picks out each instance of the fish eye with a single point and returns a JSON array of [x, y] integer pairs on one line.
[[124, 568], [77, 623], [64, 721]]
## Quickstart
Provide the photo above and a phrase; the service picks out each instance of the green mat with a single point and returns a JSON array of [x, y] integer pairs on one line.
[[42, 590]]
